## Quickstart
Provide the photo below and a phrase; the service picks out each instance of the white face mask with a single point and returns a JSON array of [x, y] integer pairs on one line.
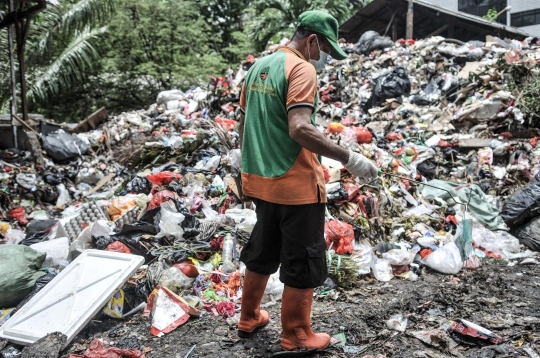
[[323, 57]]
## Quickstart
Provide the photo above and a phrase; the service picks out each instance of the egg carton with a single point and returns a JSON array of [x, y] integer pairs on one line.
[[88, 214], [129, 216]]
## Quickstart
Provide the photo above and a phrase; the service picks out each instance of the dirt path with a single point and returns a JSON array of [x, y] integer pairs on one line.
[[498, 297]]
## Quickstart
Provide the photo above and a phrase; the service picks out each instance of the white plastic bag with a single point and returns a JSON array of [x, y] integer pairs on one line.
[[245, 218], [57, 251], [171, 220], [499, 242], [84, 240], [446, 259], [397, 323], [14, 236], [274, 289], [363, 257], [382, 270], [63, 195], [398, 257]]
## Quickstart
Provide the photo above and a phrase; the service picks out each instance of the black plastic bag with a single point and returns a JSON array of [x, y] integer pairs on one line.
[[137, 185], [529, 234], [38, 286], [134, 296], [523, 205], [131, 235], [372, 40], [337, 194], [426, 168], [101, 242], [392, 84], [62, 146], [38, 230]]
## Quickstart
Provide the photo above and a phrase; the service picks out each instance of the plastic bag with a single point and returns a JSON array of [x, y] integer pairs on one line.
[[161, 197], [382, 270], [498, 242], [372, 40], [363, 257], [63, 195], [523, 205], [117, 246], [62, 146], [340, 236], [397, 322], [464, 238], [84, 241], [175, 280], [171, 221], [163, 178], [446, 259], [57, 251], [96, 349], [392, 84], [19, 266], [397, 257], [137, 185], [38, 286], [89, 176], [14, 236], [529, 234], [19, 215]]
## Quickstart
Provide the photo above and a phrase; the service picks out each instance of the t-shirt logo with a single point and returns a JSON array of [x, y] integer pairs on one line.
[[264, 73]]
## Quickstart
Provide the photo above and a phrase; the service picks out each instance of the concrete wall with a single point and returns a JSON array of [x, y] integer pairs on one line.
[[449, 4]]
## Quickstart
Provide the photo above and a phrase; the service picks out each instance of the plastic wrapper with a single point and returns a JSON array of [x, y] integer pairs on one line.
[[96, 349], [119, 207], [472, 334], [382, 270], [339, 236], [446, 259], [363, 257], [168, 311], [115, 306], [163, 178]]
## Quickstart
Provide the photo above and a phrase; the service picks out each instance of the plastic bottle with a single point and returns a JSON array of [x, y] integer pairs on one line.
[[227, 248]]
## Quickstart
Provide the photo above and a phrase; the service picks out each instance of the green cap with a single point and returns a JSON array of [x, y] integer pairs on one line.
[[324, 24]]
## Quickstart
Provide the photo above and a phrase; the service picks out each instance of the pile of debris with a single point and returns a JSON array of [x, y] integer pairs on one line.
[[452, 128]]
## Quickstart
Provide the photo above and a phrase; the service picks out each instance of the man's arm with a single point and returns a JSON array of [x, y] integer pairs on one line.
[[309, 137], [241, 128]]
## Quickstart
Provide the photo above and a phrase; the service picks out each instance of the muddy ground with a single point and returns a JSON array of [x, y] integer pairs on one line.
[[501, 298]]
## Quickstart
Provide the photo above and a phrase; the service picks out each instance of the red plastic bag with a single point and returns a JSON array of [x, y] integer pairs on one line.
[[392, 137], [340, 235], [96, 350], [160, 198], [163, 178], [19, 215], [117, 246], [363, 136], [227, 123]]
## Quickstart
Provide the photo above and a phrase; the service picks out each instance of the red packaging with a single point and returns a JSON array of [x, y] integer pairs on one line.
[[117, 246], [363, 136], [340, 235], [19, 215], [472, 334], [163, 178], [160, 198]]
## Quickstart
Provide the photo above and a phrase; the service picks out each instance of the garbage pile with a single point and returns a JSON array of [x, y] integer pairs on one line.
[[452, 128]]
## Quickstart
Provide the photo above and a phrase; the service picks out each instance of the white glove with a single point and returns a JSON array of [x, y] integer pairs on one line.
[[360, 166]]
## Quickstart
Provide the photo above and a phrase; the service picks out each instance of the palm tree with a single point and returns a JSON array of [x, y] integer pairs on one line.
[[60, 47], [279, 17]]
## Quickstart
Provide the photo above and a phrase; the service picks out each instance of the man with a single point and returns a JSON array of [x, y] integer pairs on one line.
[[281, 172]]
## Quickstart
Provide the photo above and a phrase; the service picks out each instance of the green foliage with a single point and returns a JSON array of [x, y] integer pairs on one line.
[[279, 18], [491, 15]]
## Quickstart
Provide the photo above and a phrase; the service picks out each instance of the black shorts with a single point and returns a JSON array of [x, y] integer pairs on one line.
[[292, 235]]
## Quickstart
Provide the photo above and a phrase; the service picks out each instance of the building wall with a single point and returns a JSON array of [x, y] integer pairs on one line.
[[449, 4], [533, 30], [523, 5]]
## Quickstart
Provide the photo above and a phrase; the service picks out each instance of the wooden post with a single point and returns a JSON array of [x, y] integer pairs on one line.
[[410, 20], [13, 107]]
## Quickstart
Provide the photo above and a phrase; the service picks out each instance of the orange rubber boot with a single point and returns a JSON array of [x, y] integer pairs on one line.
[[251, 315], [296, 321]]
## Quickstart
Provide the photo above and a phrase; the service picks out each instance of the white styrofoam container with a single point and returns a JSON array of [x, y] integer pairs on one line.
[[72, 298]]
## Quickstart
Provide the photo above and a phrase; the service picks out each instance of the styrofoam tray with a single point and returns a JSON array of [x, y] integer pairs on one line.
[[72, 298]]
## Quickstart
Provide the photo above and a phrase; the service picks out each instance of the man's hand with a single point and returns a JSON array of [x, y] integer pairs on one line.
[[360, 166]]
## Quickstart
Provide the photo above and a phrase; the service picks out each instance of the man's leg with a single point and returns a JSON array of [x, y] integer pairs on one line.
[[303, 267], [261, 257]]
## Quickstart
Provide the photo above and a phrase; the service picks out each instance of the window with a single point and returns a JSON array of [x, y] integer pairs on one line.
[[525, 18], [481, 7]]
